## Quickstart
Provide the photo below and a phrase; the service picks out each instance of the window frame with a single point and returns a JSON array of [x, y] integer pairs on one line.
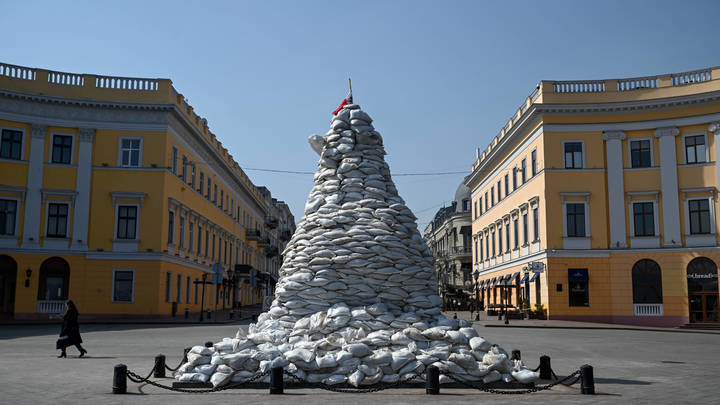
[[22, 142], [523, 171], [684, 145], [132, 287], [171, 227], [15, 220], [120, 151], [575, 214], [51, 159], [174, 160], [168, 286], [633, 228], [533, 163], [117, 221], [711, 215], [571, 302], [652, 152], [582, 154], [48, 203]]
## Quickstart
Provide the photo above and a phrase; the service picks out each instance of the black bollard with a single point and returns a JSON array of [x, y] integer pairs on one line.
[[276, 380], [159, 369], [185, 352], [432, 385], [545, 369], [208, 344], [120, 379], [587, 380], [515, 355]]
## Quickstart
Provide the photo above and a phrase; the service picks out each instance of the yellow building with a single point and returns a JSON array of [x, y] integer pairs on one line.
[[114, 193], [598, 201]]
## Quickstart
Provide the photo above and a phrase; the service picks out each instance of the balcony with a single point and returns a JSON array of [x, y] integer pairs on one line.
[[263, 241], [252, 234], [648, 309], [271, 222], [460, 251], [51, 306]]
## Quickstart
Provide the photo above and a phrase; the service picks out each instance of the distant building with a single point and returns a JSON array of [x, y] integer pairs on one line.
[[449, 237], [598, 201], [114, 193]]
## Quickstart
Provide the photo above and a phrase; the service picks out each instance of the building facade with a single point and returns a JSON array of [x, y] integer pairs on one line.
[[449, 237], [598, 200], [114, 193]]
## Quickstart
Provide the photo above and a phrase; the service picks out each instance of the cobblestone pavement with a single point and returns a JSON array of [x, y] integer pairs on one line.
[[631, 366]]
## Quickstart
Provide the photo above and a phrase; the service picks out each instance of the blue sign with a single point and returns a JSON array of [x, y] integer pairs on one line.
[[578, 275]]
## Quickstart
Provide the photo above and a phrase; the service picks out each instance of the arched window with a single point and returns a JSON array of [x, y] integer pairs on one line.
[[647, 282], [702, 275], [54, 279]]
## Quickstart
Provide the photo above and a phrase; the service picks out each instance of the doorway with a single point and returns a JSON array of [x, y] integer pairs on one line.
[[8, 277], [702, 279]]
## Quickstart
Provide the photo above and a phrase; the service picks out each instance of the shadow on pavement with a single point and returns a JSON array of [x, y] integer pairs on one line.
[[22, 331], [620, 381]]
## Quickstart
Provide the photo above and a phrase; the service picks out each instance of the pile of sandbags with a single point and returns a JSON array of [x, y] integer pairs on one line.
[[357, 297]]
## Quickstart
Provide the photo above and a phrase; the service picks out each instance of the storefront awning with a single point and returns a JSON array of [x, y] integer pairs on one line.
[[492, 282], [516, 275], [525, 278], [534, 277]]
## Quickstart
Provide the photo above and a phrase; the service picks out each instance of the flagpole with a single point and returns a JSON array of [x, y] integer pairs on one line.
[[350, 84]]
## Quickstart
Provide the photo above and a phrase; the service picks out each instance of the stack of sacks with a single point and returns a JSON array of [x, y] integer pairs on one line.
[[357, 297]]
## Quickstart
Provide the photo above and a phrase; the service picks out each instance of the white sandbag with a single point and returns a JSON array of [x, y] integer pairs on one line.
[[390, 378], [401, 358], [194, 377], [480, 344], [492, 377], [525, 376], [469, 332], [372, 379], [463, 360], [198, 359], [205, 369], [355, 378], [299, 355], [326, 361], [220, 379], [201, 350], [357, 349], [335, 379]]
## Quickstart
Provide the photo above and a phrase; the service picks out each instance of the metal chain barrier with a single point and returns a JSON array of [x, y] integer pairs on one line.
[[176, 368], [352, 390], [138, 379], [516, 392]]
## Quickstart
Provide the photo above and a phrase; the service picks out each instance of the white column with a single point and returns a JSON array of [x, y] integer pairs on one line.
[[615, 188], [668, 174], [81, 219], [715, 128], [33, 200]]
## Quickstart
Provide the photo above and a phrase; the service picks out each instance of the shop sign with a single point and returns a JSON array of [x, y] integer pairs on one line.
[[696, 276]]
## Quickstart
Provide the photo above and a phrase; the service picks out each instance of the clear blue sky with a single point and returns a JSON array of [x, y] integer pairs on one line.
[[440, 78]]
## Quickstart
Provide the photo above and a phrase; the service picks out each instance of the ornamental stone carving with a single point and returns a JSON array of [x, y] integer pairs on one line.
[[667, 131], [38, 131]]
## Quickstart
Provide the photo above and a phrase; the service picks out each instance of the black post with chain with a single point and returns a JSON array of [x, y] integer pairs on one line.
[[432, 383], [515, 355], [276, 381], [208, 343], [545, 369], [159, 369], [120, 379], [587, 380]]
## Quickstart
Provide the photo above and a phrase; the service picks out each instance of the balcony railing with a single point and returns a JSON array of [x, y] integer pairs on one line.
[[461, 251], [263, 242], [271, 222], [51, 306], [252, 234], [648, 309]]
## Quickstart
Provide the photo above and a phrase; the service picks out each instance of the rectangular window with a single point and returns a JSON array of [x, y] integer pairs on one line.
[[192, 176], [168, 286], [57, 220], [215, 189], [225, 250], [199, 242], [11, 145], [202, 183], [181, 242], [171, 227], [127, 221], [197, 282], [8, 211], [507, 184], [209, 188], [578, 287], [482, 256], [695, 149], [178, 295], [187, 290], [184, 169], [499, 190], [493, 244], [476, 251], [573, 155], [174, 161], [536, 224], [507, 236], [123, 284], [130, 152], [514, 175], [62, 149], [575, 220], [207, 241], [492, 196], [525, 229], [487, 246], [486, 201], [213, 248], [523, 170], [533, 162], [191, 235], [222, 198], [644, 219], [699, 216], [500, 239], [516, 231], [476, 209], [640, 153]]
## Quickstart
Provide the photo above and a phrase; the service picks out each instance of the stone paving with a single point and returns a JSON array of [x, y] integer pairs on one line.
[[631, 366]]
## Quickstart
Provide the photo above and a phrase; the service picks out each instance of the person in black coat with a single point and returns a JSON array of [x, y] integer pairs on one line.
[[70, 331]]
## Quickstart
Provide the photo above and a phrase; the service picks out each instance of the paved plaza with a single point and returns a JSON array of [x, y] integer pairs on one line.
[[631, 366]]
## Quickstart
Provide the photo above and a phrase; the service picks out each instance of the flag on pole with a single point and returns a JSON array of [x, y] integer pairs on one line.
[[346, 101]]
